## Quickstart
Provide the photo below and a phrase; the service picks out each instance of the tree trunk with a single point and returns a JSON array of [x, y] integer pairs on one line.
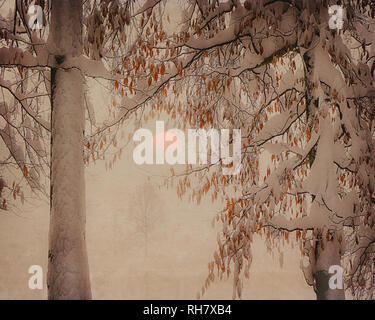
[[68, 271], [324, 259]]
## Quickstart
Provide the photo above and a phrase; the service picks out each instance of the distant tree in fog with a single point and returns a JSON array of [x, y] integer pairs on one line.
[[143, 215]]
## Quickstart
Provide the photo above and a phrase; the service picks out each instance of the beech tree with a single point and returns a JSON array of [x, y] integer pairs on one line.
[[303, 96], [46, 61]]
